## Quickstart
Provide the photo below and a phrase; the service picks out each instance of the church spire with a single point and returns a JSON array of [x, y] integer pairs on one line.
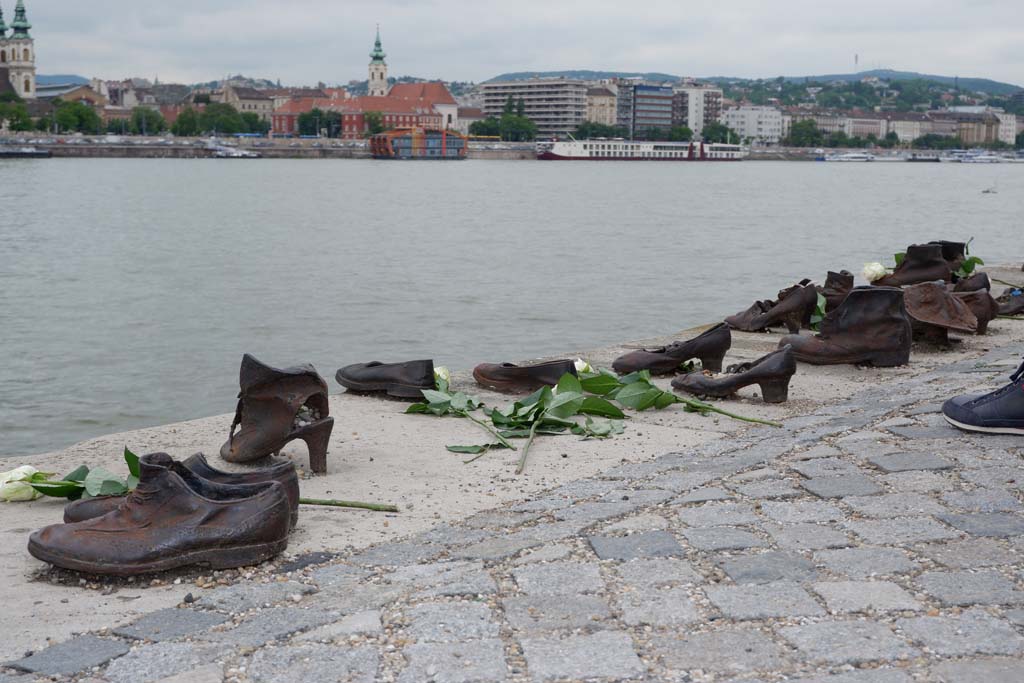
[[3, 26], [20, 24], [378, 52]]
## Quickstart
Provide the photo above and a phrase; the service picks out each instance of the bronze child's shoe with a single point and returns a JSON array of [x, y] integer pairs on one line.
[[522, 378], [772, 373], [710, 347], [282, 472], [173, 519], [276, 407]]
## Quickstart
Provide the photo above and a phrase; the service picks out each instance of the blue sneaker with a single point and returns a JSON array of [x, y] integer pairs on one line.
[[1000, 412]]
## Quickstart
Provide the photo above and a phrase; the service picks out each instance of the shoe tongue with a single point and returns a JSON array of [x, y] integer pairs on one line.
[[154, 464]]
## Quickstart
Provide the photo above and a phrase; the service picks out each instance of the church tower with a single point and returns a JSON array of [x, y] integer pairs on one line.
[[18, 53], [378, 70]]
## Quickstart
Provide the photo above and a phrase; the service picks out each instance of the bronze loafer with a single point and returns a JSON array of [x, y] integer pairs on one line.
[[522, 378]]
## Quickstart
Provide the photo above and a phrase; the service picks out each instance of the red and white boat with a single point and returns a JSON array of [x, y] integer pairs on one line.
[[601, 149]]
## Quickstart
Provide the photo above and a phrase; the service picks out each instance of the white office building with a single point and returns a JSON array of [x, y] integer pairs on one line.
[[757, 124]]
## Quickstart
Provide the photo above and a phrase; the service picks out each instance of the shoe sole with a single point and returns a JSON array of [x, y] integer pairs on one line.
[[984, 430], [391, 389], [215, 558]]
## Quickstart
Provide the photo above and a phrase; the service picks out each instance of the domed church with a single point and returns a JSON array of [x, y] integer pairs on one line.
[[18, 53]]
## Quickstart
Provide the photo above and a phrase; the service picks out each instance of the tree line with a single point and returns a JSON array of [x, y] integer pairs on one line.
[[807, 134]]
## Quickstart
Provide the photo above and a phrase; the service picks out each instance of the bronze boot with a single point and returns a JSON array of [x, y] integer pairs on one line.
[[710, 347], [837, 286], [794, 309], [954, 253], [923, 263], [982, 305], [173, 519], [870, 327], [934, 312], [276, 407], [282, 472], [772, 373]]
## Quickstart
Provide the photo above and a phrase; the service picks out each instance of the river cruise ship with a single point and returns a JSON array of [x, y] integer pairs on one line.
[[629, 150]]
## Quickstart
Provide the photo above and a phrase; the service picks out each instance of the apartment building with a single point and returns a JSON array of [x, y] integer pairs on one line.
[[602, 106], [696, 106], [759, 124], [557, 105]]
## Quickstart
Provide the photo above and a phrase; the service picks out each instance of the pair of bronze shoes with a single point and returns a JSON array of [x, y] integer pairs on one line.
[[180, 514], [410, 379]]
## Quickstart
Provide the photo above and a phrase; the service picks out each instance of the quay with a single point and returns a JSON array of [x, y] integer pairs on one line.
[[864, 541]]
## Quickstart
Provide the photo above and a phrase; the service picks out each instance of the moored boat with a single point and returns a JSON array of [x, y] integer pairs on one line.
[[851, 157], [601, 149], [418, 143], [24, 153]]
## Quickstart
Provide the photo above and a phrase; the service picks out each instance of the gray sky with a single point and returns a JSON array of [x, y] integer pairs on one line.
[[305, 41]]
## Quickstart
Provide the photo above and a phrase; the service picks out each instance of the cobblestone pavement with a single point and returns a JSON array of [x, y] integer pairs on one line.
[[866, 543]]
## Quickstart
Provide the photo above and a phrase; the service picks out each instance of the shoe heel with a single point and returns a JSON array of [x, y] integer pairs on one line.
[[712, 363], [775, 391], [317, 437], [794, 321]]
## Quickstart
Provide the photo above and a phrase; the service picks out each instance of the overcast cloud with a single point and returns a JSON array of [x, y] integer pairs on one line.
[[306, 41]]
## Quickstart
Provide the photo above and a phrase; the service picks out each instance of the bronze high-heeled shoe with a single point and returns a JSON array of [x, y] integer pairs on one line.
[[276, 407], [772, 373]]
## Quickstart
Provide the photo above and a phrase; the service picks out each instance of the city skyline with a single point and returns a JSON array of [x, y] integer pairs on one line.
[[316, 40]]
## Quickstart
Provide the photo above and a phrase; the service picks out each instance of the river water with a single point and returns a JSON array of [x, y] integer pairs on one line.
[[129, 289]]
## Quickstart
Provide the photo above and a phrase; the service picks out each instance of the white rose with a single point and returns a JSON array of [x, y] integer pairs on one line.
[[583, 366], [443, 373], [874, 271], [14, 486]]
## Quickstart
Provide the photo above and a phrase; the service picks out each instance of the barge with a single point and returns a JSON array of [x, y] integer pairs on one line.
[[419, 143]]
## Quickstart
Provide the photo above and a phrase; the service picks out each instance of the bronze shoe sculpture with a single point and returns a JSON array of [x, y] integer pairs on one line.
[[710, 348], [982, 305], [954, 253], [1011, 302], [515, 378], [282, 472], [173, 519], [772, 373], [979, 280], [923, 263], [870, 327], [837, 286], [276, 407], [794, 309], [934, 312], [400, 380]]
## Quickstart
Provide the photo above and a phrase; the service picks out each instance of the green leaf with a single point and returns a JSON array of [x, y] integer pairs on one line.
[[592, 405], [417, 409], [900, 257], [474, 450], [78, 474], [100, 482], [441, 384], [133, 462], [639, 395], [433, 396], [113, 487], [601, 385], [59, 489], [819, 312], [132, 482], [569, 382], [565, 404]]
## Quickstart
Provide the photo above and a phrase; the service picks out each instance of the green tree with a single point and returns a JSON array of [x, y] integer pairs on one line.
[[510, 106], [520, 107], [804, 134], [187, 123], [488, 128], [374, 122], [9, 97], [589, 129], [934, 141], [1020, 140], [515, 128], [680, 134], [146, 121], [15, 116], [890, 140], [221, 119], [77, 117], [719, 132], [311, 122], [254, 123]]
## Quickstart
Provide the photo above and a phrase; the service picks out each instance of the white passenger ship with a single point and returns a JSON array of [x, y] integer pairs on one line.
[[629, 150]]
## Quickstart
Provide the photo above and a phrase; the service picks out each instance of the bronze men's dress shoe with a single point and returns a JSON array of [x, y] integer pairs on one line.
[[401, 380], [276, 407], [173, 519], [522, 378], [283, 473], [710, 347]]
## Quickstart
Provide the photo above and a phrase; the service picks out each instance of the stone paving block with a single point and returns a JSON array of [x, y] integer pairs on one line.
[[313, 663], [559, 578], [914, 433], [759, 474], [802, 511], [338, 575], [763, 601], [638, 470], [502, 519], [807, 536], [865, 561], [895, 505], [768, 568], [681, 482], [1011, 477], [72, 656], [660, 608], [449, 534], [869, 676], [478, 661], [1015, 616], [497, 548], [594, 512], [918, 481], [581, 489], [607, 655], [451, 621], [208, 673], [269, 625], [825, 467], [997, 524], [547, 532], [396, 554], [358, 598], [901, 531], [905, 462], [983, 500], [439, 579], [245, 596], [542, 613], [718, 514], [643, 522], [843, 597], [170, 624], [647, 544], [980, 671], [723, 538], [545, 553], [984, 587], [638, 496], [848, 642], [161, 660], [972, 632], [658, 573], [769, 489], [24, 678], [973, 552], [819, 451], [360, 623], [728, 651], [704, 495], [842, 486]]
